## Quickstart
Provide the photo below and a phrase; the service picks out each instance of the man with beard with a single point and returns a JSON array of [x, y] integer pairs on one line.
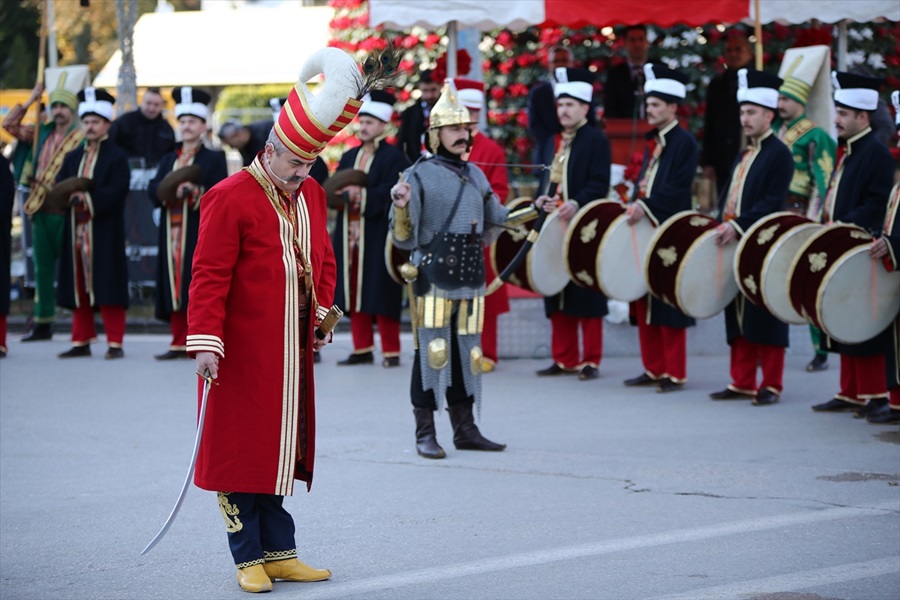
[[585, 153], [55, 139], [145, 133], [93, 269], [664, 188], [443, 211], [858, 193], [179, 219], [364, 289], [758, 186]]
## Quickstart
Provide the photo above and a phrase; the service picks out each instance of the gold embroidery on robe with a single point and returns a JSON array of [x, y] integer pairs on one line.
[[230, 513]]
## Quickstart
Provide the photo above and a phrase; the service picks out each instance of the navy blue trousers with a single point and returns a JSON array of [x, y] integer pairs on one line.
[[259, 528]]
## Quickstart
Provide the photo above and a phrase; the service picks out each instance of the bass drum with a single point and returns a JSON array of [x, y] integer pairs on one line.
[[684, 267], [840, 288], [606, 254], [764, 256], [544, 269]]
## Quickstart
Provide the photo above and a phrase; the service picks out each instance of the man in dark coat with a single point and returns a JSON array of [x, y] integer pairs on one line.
[[93, 269], [887, 249], [758, 186], [543, 124], [414, 120], [721, 121], [7, 199], [623, 94], [364, 288], [664, 188], [586, 155], [179, 220], [858, 193], [145, 132]]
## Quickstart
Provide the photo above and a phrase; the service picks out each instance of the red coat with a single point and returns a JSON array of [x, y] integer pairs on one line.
[[486, 150], [244, 308]]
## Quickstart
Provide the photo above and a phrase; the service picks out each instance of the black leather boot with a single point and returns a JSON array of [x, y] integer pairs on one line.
[[39, 333], [426, 439], [465, 433]]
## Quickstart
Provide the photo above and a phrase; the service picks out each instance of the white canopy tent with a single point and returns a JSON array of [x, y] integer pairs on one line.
[[518, 14], [217, 48]]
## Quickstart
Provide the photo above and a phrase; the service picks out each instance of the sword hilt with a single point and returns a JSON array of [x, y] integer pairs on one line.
[[329, 322]]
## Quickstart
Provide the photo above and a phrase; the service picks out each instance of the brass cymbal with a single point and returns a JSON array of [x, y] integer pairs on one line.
[[168, 187], [342, 179], [58, 197]]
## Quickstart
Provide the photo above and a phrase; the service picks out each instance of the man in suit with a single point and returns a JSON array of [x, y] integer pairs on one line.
[[414, 120], [623, 94], [721, 121]]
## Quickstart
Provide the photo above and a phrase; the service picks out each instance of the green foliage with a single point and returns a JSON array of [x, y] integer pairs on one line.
[[239, 97], [19, 38]]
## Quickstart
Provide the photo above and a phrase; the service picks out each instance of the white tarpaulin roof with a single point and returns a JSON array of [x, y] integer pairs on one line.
[[479, 14], [827, 11], [519, 14], [223, 47]]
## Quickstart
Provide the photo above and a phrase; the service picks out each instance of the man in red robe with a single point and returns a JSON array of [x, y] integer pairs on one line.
[[263, 279], [490, 158]]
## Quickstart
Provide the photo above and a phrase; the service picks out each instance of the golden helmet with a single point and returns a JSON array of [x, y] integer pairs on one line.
[[448, 110]]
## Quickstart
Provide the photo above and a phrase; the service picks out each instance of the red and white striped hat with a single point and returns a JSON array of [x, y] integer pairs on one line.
[[308, 121]]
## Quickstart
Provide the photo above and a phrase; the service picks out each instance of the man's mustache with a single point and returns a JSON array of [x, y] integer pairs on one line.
[[460, 143]]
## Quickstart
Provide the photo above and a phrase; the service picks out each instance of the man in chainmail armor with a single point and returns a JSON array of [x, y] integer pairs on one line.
[[444, 212]]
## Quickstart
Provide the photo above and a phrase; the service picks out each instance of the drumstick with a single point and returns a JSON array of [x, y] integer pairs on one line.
[[874, 288], [634, 245], [719, 273]]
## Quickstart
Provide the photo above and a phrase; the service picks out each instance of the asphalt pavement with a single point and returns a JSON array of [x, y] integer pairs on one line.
[[605, 492]]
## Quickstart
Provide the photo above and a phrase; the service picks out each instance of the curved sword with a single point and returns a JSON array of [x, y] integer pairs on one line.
[[187, 480]]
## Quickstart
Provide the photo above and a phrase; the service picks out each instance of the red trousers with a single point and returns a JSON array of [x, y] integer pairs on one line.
[[3, 333], [489, 338], [663, 349], [364, 334], [862, 378], [83, 330], [179, 326], [746, 356], [564, 341], [894, 402]]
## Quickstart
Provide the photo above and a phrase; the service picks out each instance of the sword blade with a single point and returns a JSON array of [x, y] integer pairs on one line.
[[190, 473]]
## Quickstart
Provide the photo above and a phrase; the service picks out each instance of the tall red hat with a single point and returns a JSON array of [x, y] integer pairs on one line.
[[309, 121]]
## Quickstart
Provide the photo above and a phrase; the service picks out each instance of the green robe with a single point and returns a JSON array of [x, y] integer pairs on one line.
[[814, 156]]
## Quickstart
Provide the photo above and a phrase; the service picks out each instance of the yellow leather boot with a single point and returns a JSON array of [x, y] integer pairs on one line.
[[254, 579], [294, 570]]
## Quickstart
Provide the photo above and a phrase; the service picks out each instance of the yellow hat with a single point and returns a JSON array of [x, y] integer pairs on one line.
[[64, 83], [800, 69], [448, 110]]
